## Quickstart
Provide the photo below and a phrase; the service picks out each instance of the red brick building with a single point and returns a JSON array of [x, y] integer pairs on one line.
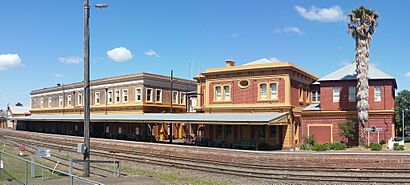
[[334, 102]]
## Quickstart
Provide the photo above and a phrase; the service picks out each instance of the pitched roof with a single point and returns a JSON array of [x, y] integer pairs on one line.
[[348, 72], [260, 61], [19, 110]]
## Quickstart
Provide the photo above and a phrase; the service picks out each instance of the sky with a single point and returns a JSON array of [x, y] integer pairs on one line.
[[41, 42]]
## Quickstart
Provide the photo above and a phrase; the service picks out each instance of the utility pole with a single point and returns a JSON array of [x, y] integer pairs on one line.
[[172, 97], [86, 171]]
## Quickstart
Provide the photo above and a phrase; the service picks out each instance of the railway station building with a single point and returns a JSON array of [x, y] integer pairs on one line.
[[258, 105]]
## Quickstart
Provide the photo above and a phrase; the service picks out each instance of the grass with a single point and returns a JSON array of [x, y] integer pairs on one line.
[[174, 177]]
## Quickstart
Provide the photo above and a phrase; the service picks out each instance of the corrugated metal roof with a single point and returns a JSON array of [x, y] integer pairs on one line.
[[233, 118], [260, 61], [348, 72]]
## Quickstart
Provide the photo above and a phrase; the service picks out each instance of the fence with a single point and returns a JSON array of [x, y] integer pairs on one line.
[[25, 171]]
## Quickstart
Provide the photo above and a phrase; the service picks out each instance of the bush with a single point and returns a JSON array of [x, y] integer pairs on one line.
[[305, 147], [348, 128], [321, 147], [375, 147], [338, 146], [397, 146], [309, 140]]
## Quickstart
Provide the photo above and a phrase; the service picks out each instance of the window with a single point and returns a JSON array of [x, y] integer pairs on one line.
[[300, 94], [119, 130], [149, 94], [272, 132], [377, 93], [137, 131], [228, 131], [263, 92], [219, 131], [182, 100], [107, 129], [117, 96], [352, 94], [41, 102], [125, 95], [69, 100], [97, 98], [49, 101], [336, 94], [315, 96], [158, 95], [174, 97], [273, 91], [227, 93], [218, 93], [110, 97], [138, 94], [80, 99], [60, 101], [243, 83]]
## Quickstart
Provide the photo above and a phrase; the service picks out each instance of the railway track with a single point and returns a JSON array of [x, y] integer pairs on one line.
[[292, 173]]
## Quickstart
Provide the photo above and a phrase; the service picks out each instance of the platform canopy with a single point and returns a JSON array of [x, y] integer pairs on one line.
[[190, 118]]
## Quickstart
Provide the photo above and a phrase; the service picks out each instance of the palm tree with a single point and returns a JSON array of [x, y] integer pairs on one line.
[[362, 25]]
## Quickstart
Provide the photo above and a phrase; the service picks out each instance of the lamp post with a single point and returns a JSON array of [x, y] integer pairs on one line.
[[86, 17]]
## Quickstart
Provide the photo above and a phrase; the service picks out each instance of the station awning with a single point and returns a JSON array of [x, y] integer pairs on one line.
[[189, 118]]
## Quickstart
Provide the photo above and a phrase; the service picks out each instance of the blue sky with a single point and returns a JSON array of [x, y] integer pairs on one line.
[[41, 42]]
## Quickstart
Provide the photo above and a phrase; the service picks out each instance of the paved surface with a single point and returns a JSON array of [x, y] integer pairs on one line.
[[132, 180]]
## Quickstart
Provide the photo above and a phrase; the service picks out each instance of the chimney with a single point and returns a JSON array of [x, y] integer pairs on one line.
[[230, 63]]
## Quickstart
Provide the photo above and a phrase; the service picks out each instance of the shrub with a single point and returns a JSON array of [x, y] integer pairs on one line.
[[305, 147], [397, 146], [338, 146], [375, 147], [309, 140], [348, 128], [382, 142], [321, 147]]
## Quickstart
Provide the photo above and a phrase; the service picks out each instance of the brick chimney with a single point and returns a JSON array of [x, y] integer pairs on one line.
[[230, 63]]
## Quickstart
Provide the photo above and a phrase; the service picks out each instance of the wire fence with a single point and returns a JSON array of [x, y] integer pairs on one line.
[[20, 170]]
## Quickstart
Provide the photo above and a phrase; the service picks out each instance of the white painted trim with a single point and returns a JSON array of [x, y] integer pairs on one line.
[[156, 94], [123, 95], [91, 87], [136, 100], [152, 94]]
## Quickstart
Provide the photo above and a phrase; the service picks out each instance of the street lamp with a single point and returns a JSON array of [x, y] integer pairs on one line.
[[86, 17]]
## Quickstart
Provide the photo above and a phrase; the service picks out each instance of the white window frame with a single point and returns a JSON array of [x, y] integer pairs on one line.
[[176, 97], [110, 97], [263, 96], [125, 95], [50, 100], [273, 94], [316, 95], [218, 95], [227, 96], [378, 93], [336, 94], [80, 100], [138, 94], [69, 100], [182, 98], [117, 96], [60, 101], [107, 129], [151, 95], [97, 98], [120, 130], [352, 94], [137, 131], [158, 92], [41, 102]]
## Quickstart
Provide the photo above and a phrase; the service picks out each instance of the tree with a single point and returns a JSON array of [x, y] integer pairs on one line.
[[402, 102], [362, 25], [18, 104]]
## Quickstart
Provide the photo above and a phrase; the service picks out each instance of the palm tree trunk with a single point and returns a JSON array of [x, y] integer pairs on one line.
[[362, 68]]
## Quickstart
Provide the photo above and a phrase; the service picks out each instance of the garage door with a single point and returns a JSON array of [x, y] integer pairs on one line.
[[322, 134]]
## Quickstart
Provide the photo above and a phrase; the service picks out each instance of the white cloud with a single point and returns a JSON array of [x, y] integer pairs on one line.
[[290, 29], [408, 74], [58, 75], [332, 14], [151, 53], [234, 35], [274, 59], [70, 60], [119, 54], [8, 61]]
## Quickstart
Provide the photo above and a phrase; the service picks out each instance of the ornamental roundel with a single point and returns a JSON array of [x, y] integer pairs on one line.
[[243, 83]]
